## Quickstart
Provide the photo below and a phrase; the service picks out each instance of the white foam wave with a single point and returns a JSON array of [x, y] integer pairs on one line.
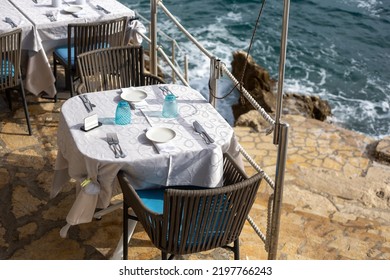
[[373, 7]]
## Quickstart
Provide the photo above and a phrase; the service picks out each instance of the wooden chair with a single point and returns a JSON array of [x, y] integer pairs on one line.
[[113, 68], [83, 37], [182, 220], [10, 74]]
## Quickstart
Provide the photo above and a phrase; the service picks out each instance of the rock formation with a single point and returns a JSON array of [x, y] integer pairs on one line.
[[260, 85]]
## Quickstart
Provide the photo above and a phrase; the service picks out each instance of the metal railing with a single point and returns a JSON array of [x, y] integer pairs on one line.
[[280, 129]]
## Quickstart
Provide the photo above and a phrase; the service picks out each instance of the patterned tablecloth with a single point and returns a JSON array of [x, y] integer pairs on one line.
[[191, 161]]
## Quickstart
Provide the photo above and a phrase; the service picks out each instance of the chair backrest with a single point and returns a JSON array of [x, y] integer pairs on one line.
[[10, 47], [201, 219], [112, 68], [84, 37]]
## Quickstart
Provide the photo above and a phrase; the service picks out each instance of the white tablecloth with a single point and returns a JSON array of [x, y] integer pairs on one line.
[[84, 155], [8, 10], [48, 34]]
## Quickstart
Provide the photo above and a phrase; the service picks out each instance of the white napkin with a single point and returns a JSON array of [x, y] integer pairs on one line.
[[136, 27], [138, 105], [80, 14], [164, 148]]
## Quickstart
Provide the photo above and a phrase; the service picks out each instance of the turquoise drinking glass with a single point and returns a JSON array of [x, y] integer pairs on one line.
[[169, 106], [123, 113]]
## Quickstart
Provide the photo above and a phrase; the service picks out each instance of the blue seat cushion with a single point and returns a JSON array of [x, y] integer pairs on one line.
[[62, 52], [154, 198], [5, 68]]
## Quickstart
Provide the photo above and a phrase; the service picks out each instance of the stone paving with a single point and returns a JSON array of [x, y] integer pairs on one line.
[[336, 201]]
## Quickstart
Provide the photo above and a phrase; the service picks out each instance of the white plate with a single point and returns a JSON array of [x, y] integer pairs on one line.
[[73, 9], [133, 94], [160, 134]]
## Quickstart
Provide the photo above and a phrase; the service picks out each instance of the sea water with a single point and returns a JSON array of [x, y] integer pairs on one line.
[[337, 49]]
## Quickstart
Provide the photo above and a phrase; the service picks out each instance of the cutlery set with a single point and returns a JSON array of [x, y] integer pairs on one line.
[[87, 103], [10, 22], [202, 132], [51, 16], [165, 90], [113, 142], [100, 8]]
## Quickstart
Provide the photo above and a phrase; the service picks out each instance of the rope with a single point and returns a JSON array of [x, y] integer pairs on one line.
[[261, 110], [255, 166], [247, 56], [257, 230]]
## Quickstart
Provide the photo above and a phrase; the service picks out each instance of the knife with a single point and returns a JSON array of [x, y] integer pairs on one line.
[[86, 104], [198, 127], [103, 9]]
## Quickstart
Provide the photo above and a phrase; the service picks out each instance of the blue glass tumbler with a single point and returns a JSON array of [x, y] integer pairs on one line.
[[170, 106], [123, 113]]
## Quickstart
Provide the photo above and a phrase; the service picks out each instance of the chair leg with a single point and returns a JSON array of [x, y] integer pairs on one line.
[[55, 76], [71, 84], [23, 95], [125, 231], [236, 249], [9, 99], [164, 255]]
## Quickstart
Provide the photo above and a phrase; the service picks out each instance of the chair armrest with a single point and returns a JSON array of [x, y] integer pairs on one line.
[[81, 89], [152, 80]]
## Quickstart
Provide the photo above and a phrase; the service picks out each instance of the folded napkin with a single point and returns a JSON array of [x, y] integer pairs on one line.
[[139, 105], [164, 148], [80, 14]]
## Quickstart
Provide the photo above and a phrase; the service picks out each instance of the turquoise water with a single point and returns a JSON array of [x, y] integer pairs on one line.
[[337, 49]]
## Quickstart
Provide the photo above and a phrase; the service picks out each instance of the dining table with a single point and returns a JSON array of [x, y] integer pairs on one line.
[[185, 160], [50, 31]]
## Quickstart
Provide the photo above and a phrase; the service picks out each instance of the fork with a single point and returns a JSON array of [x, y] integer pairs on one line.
[[165, 90], [116, 142], [110, 142]]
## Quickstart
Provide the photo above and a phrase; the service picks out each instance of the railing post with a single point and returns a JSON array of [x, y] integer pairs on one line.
[[278, 191], [173, 61], [282, 62], [186, 67], [215, 74], [153, 36]]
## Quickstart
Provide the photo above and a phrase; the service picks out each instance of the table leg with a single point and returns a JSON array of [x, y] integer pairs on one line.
[[64, 230], [109, 209], [118, 253]]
